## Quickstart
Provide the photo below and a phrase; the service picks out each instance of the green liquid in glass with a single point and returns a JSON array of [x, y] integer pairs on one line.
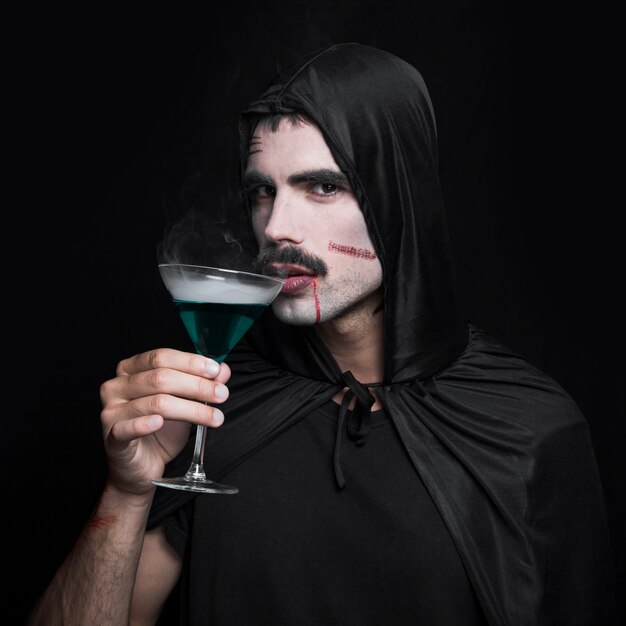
[[216, 328]]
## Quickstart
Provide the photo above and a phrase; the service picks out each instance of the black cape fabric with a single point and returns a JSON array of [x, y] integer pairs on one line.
[[502, 449]]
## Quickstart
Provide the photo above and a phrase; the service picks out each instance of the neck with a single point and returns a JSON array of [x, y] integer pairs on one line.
[[355, 339]]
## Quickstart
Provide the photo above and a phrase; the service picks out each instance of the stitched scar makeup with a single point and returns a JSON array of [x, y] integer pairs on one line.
[[359, 253]]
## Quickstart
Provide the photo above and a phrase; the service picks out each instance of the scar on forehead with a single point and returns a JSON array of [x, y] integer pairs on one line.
[[255, 141], [359, 253]]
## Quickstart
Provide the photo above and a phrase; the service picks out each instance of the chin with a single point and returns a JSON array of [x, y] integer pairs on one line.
[[293, 316]]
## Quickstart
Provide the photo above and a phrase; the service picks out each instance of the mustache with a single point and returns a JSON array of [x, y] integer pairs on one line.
[[290, 255]]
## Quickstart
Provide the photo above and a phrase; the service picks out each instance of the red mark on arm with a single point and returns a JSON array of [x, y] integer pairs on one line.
[[97, 523], [359, 253], [318, 311]]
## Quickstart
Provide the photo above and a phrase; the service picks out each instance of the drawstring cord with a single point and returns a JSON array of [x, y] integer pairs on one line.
[[358, 422]]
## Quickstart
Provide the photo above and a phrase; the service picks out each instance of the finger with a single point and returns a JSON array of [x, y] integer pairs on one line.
[[168, 358], [125, 431], [163, 381], [224, 374], [179, 410], [165, 406]]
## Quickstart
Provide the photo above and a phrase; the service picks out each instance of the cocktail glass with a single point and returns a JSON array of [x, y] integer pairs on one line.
[[217, 307]]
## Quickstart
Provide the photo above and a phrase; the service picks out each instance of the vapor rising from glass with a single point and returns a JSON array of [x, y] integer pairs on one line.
[[208, 231]]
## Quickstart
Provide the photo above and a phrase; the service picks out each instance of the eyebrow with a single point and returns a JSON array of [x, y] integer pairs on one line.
[[324, 176], [254, 178]]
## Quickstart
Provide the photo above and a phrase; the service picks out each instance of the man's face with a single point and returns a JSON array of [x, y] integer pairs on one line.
[[308, 225]]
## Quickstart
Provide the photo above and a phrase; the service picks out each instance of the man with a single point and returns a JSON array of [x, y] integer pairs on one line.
[[394, 465]]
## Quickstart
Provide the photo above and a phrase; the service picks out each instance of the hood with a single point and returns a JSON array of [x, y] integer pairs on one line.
[[377, 118]]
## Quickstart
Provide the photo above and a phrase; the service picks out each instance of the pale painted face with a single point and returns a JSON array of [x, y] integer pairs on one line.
[[308, 225]]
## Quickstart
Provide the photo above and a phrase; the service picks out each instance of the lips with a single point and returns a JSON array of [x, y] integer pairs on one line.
[[296, 278], [296, 283]]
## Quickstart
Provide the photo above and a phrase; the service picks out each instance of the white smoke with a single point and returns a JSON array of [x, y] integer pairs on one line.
[[216, 234]]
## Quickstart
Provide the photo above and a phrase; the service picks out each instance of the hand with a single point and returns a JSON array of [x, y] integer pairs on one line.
[[148, 409]]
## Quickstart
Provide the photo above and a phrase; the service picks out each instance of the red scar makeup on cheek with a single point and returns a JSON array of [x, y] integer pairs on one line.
[[359, 253], [318, 311]]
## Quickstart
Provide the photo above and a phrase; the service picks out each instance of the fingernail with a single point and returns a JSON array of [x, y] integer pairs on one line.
[[218, 417], [213, 368], [221, 392]]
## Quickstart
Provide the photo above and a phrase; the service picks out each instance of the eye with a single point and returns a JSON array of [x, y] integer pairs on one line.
[[265, 191], [325, 189], [261, 193]]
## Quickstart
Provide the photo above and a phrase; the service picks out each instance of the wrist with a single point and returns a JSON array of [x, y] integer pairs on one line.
[[116, 498]]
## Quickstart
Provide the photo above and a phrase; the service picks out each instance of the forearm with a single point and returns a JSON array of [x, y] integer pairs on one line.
[[94, 585]]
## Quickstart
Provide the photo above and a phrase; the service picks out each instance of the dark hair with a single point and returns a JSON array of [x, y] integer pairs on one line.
[[259, 121], [273, 120]]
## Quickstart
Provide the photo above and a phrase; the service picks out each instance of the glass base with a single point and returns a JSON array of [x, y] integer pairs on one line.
[[198, 486]]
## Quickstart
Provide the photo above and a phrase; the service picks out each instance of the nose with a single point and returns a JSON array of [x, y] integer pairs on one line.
[[284, 223]]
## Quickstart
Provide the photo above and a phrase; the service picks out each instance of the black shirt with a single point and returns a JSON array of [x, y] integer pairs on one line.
[[291, 548]]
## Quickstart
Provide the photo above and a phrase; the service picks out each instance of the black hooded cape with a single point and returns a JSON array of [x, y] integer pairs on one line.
[[502, 449]]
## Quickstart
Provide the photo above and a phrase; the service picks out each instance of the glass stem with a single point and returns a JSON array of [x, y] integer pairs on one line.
[[196, 469]]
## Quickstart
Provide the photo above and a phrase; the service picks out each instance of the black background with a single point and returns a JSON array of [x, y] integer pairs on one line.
[[111, 113]]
